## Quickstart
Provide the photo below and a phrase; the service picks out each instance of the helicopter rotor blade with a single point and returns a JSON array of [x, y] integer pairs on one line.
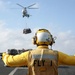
[[32, 8], [31, 5], [15, 8], [20, 5]]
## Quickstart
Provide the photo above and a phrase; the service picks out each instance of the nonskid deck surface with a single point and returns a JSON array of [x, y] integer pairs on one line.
[[62, 70]]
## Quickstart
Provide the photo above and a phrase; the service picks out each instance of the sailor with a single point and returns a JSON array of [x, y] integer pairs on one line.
[[42, 60]]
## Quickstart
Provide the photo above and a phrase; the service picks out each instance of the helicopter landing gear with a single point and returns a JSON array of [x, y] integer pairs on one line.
[[28, 15], [23, 16]]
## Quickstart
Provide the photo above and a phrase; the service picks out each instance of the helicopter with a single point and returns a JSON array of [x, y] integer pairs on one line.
[[24, 10]]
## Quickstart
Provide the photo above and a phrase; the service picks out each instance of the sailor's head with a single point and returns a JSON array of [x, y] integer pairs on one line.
[[43, 37]]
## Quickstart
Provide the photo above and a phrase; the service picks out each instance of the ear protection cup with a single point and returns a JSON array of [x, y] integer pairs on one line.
[[34, 39], [52, 41]]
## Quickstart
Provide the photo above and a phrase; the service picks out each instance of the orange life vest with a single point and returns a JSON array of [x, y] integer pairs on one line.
[[43, 62]]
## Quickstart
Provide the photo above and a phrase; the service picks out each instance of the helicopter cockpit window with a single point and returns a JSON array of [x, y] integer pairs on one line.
[[26, 31]]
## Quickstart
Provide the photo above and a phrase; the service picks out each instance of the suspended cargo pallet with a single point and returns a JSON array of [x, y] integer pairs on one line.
[[27, 31]]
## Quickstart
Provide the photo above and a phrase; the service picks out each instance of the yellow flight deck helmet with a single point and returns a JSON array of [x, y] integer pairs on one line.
[[43, 37]]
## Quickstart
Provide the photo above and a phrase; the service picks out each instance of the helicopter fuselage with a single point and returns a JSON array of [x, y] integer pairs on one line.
[[24, 11]]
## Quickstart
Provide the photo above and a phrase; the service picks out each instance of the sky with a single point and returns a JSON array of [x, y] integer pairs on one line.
[[58, 16]]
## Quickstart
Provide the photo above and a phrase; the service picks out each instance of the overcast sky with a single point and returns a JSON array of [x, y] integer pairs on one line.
[[58, 16]]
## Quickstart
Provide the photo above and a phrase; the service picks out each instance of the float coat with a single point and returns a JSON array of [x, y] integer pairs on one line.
[[40, 60]]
